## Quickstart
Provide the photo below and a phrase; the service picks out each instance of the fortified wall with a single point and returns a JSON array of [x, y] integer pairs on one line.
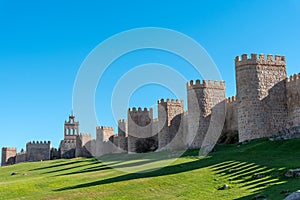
[[123, 135], [170, 124], [261, 95], [267, 104], [140, 131], [38, 150], [202, 98], [83, 148], [8, 156], [293, 100], [104, 140]]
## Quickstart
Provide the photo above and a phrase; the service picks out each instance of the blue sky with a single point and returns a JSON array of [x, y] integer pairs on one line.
[[43, 43]]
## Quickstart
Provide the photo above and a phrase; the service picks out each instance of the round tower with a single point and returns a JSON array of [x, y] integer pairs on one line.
[[260, 84]]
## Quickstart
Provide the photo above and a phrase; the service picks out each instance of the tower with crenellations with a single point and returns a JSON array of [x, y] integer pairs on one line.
[[170, 119], [140, 138], [104, 140], [202, 98], [261, 95], [8, 156], [293, 101], [83, 145], [38, 150], [123, 135]]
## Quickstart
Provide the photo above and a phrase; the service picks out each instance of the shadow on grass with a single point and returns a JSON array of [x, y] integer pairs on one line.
[[174, 169], [59, 165], [90, 169], [69, 168], [244, 166], [104, 167]]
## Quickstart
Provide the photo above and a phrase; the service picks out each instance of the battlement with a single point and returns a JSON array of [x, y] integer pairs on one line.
[[121, 121], [231, 99], [261, 59], [140, 110], [38, 142], [68, 141], [206, 84], [9, 149], [173, 101], [293, 78], [110, 128]]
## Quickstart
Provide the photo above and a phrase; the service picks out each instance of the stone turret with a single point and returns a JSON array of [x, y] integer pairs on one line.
[[123, 134], [202, 98], [83, 146], [169, 111], [104, 140], [293, 100], [139, 129], [38, 150], [8, 156], [261, 95]]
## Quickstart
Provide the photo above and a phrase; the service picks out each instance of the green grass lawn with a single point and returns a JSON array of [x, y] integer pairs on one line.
[[188, 177]]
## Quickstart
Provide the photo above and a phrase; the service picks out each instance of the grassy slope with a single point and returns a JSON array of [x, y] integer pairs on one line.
[[186, 178]]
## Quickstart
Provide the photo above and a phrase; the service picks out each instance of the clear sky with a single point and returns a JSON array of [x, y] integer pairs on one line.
[[43, 43]]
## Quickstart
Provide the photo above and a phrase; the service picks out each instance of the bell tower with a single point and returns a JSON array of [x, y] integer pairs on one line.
[[71, 128]]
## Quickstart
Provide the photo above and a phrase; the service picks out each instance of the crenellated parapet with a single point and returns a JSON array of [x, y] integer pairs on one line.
[[173, 101], [69, 141], [293, 78], [139, 110], [231, 99], [106, 128], [39, 142], [260, 59], [121, 121], [206, 84]]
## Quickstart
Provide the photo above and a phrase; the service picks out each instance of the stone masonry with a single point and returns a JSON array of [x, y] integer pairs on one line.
[[104, 140], [82, 149], [38, 150], [293, 100], [267, 104], [8, 156], [122, 133], [68, 144], [139, 128], [169, 111], [261, 95], [202, 98]]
